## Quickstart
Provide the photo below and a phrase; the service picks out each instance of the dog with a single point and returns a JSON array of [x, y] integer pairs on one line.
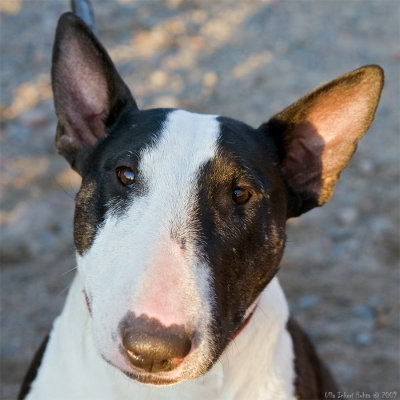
[[179, 230]]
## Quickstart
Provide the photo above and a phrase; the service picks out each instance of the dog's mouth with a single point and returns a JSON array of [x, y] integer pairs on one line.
[[157, 379], [177, 370], [164, 372]]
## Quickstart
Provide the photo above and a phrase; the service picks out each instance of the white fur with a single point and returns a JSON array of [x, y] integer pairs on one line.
[[134, 259], [258, 365]]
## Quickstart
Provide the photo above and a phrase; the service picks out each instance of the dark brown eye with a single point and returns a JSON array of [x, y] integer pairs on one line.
[[240, 196], [126, 176]]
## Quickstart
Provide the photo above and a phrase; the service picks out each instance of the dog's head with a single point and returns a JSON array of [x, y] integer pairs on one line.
[[180, 220]]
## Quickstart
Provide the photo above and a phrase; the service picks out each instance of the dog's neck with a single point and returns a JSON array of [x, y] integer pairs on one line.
[[258, 364]]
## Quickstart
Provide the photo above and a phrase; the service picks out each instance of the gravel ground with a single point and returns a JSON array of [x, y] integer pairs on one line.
[[245, 59]]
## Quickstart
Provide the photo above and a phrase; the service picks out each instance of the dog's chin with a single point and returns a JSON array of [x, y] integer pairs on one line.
[[152, 379], [180, 374]]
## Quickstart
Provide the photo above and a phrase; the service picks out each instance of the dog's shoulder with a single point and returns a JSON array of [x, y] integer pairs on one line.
[[33, 369], [313, 378]]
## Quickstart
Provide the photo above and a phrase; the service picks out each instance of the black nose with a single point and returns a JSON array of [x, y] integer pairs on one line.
[[151, 346]]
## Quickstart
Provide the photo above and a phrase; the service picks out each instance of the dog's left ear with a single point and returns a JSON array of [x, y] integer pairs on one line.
[[317, 135], [89, 94]]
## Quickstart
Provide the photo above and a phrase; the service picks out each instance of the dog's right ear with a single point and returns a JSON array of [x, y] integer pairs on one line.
[[317, 135], [89, 94]]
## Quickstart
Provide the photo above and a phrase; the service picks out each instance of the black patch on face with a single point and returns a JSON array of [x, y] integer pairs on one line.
[[101, 190], [243, 244]]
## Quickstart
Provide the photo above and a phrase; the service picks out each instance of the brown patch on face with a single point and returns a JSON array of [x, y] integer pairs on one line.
[[84, 222]]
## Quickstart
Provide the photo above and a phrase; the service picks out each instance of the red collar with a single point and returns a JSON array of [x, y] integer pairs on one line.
[[245, 323]]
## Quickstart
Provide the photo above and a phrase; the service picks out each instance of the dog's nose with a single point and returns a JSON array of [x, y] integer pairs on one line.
[[151, 346]]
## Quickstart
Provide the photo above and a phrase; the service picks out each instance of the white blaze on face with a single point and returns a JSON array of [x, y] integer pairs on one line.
[[136, 262]]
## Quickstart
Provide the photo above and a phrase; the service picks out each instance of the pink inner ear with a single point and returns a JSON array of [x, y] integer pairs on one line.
[[340, 121], [85, 91], [325, 139]]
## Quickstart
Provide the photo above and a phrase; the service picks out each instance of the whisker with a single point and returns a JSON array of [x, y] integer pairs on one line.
[[68, 271]]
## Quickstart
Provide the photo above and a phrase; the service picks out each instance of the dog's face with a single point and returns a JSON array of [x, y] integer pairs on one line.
[[180, 220]]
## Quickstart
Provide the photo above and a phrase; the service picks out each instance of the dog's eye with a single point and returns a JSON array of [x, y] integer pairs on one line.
[[126, 176], [240, 196]]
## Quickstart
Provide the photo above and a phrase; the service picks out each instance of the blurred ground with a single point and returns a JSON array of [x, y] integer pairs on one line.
[[245, 59]]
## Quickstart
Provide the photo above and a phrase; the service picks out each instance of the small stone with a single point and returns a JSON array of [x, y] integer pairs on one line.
[[308, 301], [210, 79], [174, 3], [159, 79], [366, 167], [348, 216], [363, 339], [374, 301], [363, 312]]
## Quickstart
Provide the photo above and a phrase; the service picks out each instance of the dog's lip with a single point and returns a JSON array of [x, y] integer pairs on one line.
[[158, 379], [150, 378]]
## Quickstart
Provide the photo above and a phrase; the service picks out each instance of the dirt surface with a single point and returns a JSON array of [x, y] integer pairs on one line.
[[245, 59]]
